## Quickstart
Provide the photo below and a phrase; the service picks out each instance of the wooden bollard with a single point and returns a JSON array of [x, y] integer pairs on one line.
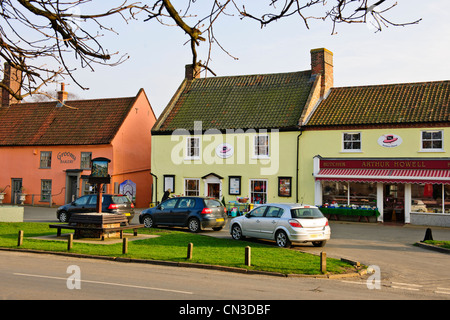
[[323, 262], [190, 249], [248, 256], [125, 246], [70, 242], [20, 239]]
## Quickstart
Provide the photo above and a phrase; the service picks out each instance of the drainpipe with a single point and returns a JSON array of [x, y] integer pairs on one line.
[[156, 187], [296, 172]]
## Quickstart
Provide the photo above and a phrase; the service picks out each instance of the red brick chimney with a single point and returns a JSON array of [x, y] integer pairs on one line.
[[322, 63], [192, 72], [11, 78], [62, 95]]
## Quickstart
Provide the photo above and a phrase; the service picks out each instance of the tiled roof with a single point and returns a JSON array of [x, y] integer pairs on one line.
[[408, 103], [42, 123], [238, 102]]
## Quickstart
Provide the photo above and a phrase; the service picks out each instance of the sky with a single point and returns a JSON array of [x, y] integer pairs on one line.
[[158, 53]]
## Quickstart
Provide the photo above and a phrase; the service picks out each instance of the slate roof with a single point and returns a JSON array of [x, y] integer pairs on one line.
[[400, 104], [238, 102], [87, 122]]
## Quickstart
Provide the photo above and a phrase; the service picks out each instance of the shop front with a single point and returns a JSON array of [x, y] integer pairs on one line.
[[403, 190]]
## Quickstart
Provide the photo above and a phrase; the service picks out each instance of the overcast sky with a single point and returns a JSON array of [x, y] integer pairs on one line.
[[158, 55]]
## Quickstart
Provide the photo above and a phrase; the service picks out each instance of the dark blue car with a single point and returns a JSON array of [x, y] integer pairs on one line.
[[195, 213]]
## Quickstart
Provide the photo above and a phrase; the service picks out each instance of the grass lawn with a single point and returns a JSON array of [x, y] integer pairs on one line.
[[172, 245], [443, 244]]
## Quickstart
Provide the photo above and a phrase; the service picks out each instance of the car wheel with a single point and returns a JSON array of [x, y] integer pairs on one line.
[[194, 225], [64, 216], [319, 243], [148, 222], [236, 232], [282, 239]]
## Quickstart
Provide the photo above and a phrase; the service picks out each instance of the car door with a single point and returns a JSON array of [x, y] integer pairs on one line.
[[182, 211], [164, 213], [80, 205], [270, 221], [252, 222]]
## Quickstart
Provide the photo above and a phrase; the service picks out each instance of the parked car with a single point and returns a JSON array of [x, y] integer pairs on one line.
[[111, 203], [195, 213], [284, 223]]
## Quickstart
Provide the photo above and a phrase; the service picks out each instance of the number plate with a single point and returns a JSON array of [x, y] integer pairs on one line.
[[127, 214], [219, 220]]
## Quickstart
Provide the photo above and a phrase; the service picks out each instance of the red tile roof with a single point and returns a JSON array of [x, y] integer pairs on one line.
[[43, 123], [399, 104]]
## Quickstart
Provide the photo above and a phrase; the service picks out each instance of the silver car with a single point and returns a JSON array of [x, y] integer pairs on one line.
[[283, 222]]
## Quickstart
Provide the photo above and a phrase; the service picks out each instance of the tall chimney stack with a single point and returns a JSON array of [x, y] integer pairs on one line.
[[62, 95], [12, 78], [322, 64], [192, 72]]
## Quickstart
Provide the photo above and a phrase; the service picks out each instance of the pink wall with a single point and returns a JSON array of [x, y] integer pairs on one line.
[[129, 153], [24, 163], [132, 148]]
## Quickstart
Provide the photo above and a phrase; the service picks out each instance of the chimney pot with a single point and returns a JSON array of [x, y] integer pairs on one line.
[[322, 64], [192, 72], [62, 95], [12, 78]]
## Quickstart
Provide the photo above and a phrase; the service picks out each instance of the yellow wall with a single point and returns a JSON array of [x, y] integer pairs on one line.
[[328, 144], [168, 158]]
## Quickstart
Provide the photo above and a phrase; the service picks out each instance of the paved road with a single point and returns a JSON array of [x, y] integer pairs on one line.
[[403, 266], [41, 276]]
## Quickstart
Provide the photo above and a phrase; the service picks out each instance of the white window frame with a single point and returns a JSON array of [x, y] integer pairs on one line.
[[251, 192], [257, 147], [422, 149], [189, 148], [185, 185], [351, 150]]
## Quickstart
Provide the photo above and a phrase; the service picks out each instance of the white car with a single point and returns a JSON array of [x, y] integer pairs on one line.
[[283, 222]]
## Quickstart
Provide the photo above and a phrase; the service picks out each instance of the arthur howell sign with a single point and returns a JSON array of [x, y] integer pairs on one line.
[[386, 163]]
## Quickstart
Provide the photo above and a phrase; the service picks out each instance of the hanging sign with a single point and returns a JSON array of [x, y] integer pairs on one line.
[[390, 140]]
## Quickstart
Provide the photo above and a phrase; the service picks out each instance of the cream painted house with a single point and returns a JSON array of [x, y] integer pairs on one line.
[[383, 146], [237, 136]]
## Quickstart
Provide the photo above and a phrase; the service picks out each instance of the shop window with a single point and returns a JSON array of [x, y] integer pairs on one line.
[[351, 141], [343, 193], [86, 160], [334, 193], [46, 160], [46, 190], [363, 194], [192, 148], [432, 140], [258, 191], [192, 187], [261, 146], [429, 198]]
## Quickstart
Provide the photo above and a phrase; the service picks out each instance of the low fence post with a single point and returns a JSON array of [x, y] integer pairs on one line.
[[190, 249], [20, 239], [323, 262], [248, 256], [125, 246], [70, 242]]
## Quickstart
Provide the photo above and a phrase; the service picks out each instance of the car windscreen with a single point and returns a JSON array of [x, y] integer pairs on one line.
[[211, 203], [120, 199], [306, 213]]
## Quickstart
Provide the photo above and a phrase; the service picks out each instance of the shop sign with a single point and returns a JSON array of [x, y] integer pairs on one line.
[[390, 140], [224, 150], [66, 157], [410, 163]]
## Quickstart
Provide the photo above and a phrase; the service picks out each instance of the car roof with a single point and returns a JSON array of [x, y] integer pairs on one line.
[[290, 205]]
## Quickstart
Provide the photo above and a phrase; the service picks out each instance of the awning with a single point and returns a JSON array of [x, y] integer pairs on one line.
[[435, 176]]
